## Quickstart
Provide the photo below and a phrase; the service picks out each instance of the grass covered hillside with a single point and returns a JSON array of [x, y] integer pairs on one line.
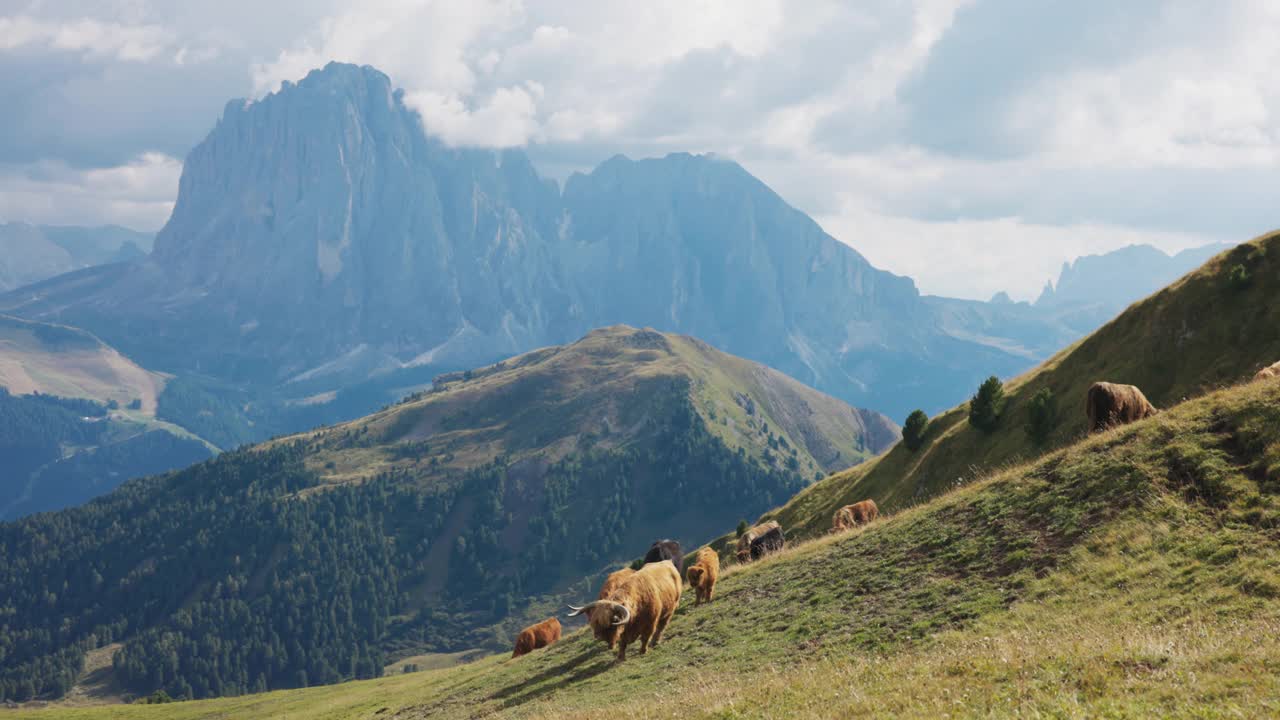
[[1214, 327], [428, 527], [58, 360], [1133, 574]]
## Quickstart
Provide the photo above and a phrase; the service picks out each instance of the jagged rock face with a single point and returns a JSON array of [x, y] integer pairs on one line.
[[325, 214], [321, 235], [1095, 288], [698, 245]]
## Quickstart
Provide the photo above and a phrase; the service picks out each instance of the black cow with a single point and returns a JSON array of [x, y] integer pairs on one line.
[[768, 543], [666, 550]]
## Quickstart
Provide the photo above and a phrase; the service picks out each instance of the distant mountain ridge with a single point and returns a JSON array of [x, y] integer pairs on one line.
[[320, 237], [31, 253], [1094, 288]]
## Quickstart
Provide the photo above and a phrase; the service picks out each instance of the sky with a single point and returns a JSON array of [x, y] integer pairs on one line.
[[974, 145]]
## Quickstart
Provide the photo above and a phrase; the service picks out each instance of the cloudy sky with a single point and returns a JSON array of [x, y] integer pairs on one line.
[[974, 145]]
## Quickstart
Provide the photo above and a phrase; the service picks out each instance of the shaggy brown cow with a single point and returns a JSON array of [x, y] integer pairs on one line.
[[1110, 404], [703, 575], [638, 609], [744, 542], [537, 636], [612, 582], [851, 516], [1270, 371]]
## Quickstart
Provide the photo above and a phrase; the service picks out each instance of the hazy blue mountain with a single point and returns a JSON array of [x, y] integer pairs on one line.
[[1095, 288], [320, 239], [30, 253], [699, 245]]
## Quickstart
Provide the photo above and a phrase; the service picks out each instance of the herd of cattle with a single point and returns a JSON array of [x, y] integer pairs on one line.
[[638, 604]]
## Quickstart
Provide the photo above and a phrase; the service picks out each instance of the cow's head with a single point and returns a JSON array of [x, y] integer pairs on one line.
[[695, 575], [606, 619]]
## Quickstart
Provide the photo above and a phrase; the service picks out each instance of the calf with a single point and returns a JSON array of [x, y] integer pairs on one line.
[[703, 575], [851, 516], [537, 636]]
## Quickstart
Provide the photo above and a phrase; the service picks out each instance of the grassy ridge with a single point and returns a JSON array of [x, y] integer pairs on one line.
[[1205, 331], [1133, 574], [549, 402]]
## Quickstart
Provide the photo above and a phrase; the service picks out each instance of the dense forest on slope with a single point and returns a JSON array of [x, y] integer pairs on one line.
[[321, 557]]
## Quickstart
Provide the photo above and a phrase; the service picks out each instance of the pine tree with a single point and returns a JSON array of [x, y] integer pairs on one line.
[[914, 429], [986, 407], [1040, 415]]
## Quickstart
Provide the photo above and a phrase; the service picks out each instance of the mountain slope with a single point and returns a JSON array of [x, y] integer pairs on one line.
[[30, 253], [1216, 326], [320, 237], [1134, 574], [77, 418], [318, 557], [58, 360]]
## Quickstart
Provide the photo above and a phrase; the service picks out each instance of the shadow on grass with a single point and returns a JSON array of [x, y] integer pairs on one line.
[[574, 669]]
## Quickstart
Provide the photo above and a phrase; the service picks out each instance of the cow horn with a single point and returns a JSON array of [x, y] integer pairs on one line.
[[584, 608], [626, 619]]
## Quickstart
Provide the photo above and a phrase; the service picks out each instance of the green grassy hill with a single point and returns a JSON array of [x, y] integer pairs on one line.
[[68, 362], [1133, 574], [546, 404], [1214, 327], [428, 527]]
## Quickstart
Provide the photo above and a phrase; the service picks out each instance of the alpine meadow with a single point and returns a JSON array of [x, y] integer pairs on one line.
[[420, 359]]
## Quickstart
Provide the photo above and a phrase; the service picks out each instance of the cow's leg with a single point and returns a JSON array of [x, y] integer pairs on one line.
[[646, 636], [661, 625], [622, 650]]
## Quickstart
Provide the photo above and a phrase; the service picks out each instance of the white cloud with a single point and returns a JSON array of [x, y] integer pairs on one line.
[[464, 65], [1209, 103], [139, 194], [426, 45], [93, 38], [1000, 135], [504, 119]]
